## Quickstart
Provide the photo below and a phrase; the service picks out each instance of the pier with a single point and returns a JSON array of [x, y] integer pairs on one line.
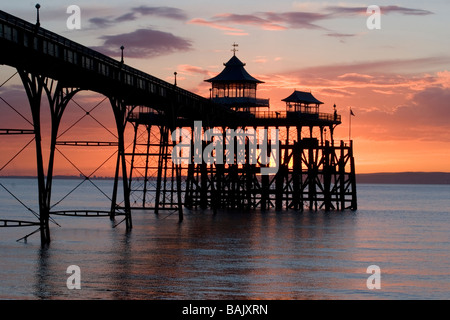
[[292, 164]]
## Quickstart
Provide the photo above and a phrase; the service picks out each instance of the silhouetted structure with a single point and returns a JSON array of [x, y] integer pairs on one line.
[[236, 88], [313, 172]]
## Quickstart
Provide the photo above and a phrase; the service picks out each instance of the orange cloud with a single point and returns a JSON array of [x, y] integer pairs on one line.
[[237, 34], [189, 69], [213, 25]]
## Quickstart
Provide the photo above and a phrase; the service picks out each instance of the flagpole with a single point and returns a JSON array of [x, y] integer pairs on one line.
[[350, 125]]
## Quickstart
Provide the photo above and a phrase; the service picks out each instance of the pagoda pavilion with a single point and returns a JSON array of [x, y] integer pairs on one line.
[[236, 88]]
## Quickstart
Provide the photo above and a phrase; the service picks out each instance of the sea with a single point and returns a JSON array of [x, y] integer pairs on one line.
[[396, 246]]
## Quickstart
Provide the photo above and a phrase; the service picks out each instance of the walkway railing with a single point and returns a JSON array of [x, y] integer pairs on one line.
[[242, 100], [299, 115]]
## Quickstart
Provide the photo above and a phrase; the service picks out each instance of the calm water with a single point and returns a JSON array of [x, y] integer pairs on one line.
[[404, 229]]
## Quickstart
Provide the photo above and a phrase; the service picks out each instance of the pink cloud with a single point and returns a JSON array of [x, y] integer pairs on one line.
[[355, 77], [336, 92], [237, 34], [424, 116], [402, 75], [189, 69], [387, 92], [299, 19], [246, 19], [265, 20], [260, 60], [394, 99], [213, 25]]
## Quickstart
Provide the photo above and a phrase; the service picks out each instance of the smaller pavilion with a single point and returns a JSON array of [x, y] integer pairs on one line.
[[303, 102]]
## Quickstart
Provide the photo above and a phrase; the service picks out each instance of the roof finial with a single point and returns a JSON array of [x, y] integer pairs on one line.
[[235, 45]]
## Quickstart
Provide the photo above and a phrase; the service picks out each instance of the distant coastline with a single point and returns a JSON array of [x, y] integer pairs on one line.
[[375, 178], [404, 178]]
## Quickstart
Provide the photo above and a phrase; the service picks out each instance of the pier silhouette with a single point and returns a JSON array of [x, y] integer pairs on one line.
[[313, 171]]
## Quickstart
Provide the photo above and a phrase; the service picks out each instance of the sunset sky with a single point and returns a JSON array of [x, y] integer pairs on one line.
[[396, 79]]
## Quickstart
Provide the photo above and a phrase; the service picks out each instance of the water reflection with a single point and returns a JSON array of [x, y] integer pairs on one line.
[[286, 255], [42, 288], [234, 255]]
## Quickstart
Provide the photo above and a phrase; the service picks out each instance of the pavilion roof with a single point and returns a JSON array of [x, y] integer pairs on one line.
[[234, 71], [302, 97]]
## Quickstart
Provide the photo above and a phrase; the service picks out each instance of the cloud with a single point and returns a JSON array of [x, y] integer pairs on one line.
[[355, 77], [422, 117], [143, 43], [130, 16], [189, 69], [15, 107], [398, 78], [260, 59], [443, 78], [237, 34], [394, 99], [384, 10], [336, 92], [298, 19], [166, 12], [162, 12], [376, 69], [341, 36], [101, 22], [429, 106], [213, 25], [387, 92], [264, 20], [248, 19]]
